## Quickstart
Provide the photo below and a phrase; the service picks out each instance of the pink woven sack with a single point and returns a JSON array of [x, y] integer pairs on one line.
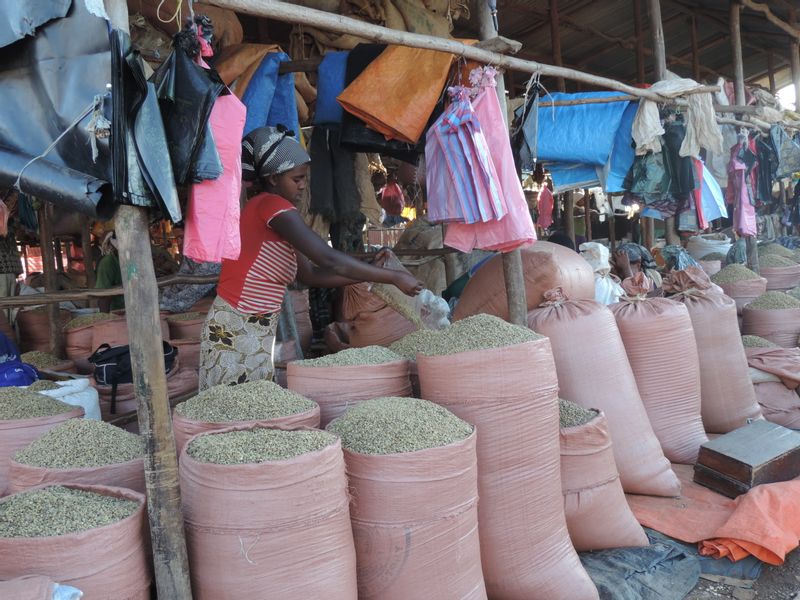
[[510, 394]]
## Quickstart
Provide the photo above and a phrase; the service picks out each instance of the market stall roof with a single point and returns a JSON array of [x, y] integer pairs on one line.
[[599, 37]]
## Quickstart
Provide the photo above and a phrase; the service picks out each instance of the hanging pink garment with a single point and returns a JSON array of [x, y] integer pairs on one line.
[[739, 194], [516, 228], [546, 204], [212, 220]]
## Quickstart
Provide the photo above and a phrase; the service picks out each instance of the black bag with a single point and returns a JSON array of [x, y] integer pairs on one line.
[[112, 366]]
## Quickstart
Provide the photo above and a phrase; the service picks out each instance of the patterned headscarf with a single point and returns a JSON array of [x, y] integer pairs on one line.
[[271, 151]]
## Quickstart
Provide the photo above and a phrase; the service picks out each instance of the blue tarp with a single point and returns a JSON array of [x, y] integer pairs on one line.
[[269, 97], [583, 133], [623, 153], [332, 70]]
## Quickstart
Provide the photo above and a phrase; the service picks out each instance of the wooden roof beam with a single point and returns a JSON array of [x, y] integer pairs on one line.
[[772, 17]]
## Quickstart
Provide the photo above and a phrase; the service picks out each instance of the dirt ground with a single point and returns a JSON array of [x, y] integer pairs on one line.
[[775, 583]]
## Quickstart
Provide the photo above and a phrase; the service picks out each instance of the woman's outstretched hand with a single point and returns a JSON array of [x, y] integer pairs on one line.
[[407, 283]]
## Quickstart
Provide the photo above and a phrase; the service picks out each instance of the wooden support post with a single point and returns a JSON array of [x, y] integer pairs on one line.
[[773, 89], [637, 15], [86, 248], [152, 401], [587, 214], [569, 214], [738, 71], [555, 42], [794, 61], [170, 559], [660, 68], [512, 261], [50, 276], [612, 230], [695, 49]]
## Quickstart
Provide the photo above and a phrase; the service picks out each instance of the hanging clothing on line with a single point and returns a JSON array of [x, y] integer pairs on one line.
[[740, 189], [462, 183], [546, 204], [516, 228], [788, 152], [212, 221]]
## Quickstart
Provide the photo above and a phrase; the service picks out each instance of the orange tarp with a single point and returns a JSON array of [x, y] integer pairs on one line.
[[765, 522]]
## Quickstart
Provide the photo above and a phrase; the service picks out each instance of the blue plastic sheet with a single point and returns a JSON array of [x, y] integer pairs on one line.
[[582, 133], [331, 83], [269, 97], [623, 153], [711, 198], [572, 176]]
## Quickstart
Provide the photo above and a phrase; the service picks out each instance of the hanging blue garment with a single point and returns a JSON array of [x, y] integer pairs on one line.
[[269, 97], [712, 198], [583, 133], [623, 152], [332, 70]]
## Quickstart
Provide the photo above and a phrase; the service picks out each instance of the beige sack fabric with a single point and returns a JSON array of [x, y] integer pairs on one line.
[[546, 265], [659, 341], [372, 321], [510, 394], [415, 523], [781, 279], [18, 433], [728, 398], [129, 475], [597, 513], [28, 587], [595, 373], [277, 529], [107, 563], [745, 291], [334, 388]]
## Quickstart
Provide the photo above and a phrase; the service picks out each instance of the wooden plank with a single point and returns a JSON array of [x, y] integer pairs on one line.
[[718, 482], [587, 214], [514, 276], [569, 216], [657, 37], [794, 61], [86, 249], [50, 278], [772, 18], [555, 42]]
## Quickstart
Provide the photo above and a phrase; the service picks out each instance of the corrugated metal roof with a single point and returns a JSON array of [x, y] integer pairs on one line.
[[598, 36]]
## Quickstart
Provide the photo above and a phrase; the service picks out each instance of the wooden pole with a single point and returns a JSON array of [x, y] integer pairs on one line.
[[695, 49], [86, 248], [637, 15], [569, 220], [773, 89], [788, 28], [587, 214], [170, 559], [612, 230], [513, 272], [660, 69], [299, 15], [50, 276], [555, 42], [738, 83], [794, 61]]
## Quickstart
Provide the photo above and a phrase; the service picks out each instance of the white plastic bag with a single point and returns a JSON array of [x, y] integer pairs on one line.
[[606, 289], [77, 392], [66, 592], [433, 309]]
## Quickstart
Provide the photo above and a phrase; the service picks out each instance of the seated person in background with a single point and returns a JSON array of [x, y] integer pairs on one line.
[[630, 258]]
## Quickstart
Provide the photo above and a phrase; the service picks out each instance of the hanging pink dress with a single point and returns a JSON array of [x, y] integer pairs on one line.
[[546, 204], [516, 228], [212, 221]]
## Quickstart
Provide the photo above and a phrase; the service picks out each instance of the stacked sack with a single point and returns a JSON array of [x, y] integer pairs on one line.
[[596, 374], [545, 266], [184, 334], [255, 403], [741, 284], [727, 396], [353, 375], [779, 266], [774, 316], [413, 475], [661, 348], [775, 373], [299, 546], [598, 515], [501, 379]]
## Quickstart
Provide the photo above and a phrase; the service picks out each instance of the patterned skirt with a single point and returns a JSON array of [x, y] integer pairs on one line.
[[236, 347]]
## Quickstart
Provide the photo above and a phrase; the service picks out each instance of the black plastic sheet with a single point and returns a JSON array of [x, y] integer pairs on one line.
[[47, 82], [20, 18]]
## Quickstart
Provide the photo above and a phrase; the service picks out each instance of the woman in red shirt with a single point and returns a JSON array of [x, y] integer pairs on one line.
[[277, 247]]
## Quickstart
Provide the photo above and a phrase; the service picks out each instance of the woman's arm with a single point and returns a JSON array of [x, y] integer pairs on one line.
[[311, 275], [331, 265]]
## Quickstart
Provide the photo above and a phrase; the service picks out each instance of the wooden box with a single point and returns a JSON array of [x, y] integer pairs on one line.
[[761, 452]]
